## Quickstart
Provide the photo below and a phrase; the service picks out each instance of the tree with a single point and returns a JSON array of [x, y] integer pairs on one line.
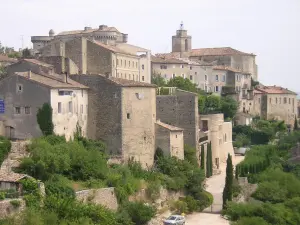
[[3, 73], [229, 107], [158, 80], [213, 104], [44, 119], [208, 161], [182, 83], [227, 192], [296, 124], [202, 157], [26, 53]]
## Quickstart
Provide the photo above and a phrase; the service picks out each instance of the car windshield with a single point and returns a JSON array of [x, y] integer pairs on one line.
[[172, 218]]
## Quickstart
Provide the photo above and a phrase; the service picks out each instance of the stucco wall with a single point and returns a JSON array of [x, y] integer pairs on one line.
[[177, 144], [104, 196], [32, 95], [66, 121], [126, 67]]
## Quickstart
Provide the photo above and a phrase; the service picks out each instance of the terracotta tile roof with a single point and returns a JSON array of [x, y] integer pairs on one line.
[[52, 81], [11, 177], [128, 83], [155, 59], [105, 29], [167, 126], [37, 62], [168, 55], [112, 48], [274, 90], [227, 68], [4, 58], [217, 52]]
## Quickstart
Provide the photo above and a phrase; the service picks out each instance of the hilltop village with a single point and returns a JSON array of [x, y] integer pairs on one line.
[[94, 85]]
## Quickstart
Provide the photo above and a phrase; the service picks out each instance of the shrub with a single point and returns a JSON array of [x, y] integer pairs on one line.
[[204, 198], [59, 190], [5, 147], [153, 190], [44, 119], [2, 195], [139, 212], [192, 204], [179, 207], [158, 153], [270, 191], [251, 221], [54, 139], [15, 203]]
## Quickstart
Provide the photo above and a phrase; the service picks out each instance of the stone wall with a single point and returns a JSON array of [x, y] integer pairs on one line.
[[7, 209], [104, 196]]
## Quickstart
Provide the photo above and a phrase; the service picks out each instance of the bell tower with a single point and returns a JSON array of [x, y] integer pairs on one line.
[[181, 42]]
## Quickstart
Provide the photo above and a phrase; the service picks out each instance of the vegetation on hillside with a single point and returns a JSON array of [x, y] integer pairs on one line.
[[44, 119], [5, 147]]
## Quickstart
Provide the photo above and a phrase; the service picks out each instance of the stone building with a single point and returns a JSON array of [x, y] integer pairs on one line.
[[105, 34], [224, 56], [273, 102], [23, 93], [180, 108], [94, 57], [123, 114], [170, 139], [213, 129]]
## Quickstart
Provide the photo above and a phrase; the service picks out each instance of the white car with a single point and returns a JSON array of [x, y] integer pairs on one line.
[[174, 220]]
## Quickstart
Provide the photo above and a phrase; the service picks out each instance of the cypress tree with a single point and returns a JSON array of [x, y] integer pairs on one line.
[[227, 192], [202, 157], [44, 119], [296, 124], [210, 160], [207, 162]]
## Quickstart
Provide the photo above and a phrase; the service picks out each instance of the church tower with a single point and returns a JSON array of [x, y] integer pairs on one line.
[[181, 42]]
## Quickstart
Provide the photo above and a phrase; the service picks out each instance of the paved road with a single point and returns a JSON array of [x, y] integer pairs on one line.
[[215, 185]]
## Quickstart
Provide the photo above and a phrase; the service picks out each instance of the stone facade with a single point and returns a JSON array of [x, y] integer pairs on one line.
[[180, 109], [169, 139], [122, 113], [104, 196], [61, 64], [7, 209], [25, 92]]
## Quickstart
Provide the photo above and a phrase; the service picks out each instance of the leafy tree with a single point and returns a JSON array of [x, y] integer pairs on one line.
[[251, 221], [158, 153], [229, 107], [26, 53], [158, 80], [296, 127], [227, 192], [202, 157], [202, 104], [270, 191], [139, 212], [190, 155], [182, 83], [44, 119]]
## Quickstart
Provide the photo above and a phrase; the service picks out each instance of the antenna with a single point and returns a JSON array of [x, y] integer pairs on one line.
[[181, 26]]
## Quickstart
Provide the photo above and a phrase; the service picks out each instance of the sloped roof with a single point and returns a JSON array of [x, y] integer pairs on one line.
[[112, 48], [11, 177], [105, 29], [227, 68], [217, 52], [274, 90], [52, 81], [156, 59], [167, 126], [168, 55], [37, 62]]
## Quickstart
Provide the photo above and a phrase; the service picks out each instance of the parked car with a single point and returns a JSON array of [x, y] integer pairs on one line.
[[174, 220], [241, 151]]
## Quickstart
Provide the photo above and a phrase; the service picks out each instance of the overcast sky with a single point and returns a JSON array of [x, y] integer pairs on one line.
[[268, 28]]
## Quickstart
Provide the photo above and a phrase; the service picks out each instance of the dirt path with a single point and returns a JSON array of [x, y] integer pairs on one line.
[[215, 186]]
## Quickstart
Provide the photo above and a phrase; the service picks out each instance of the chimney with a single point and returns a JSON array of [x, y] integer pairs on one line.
[[29, 74], [65, 78]]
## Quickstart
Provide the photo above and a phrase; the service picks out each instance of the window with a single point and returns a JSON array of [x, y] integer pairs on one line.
[[270, 100], [279, 100], [128, 63], [62, 93], [113, 63], [289, 101], [195, 73], [136, 65], [124, 63], [132, 76], [173, 75], [182, 66], [70, 107], [191, 67], [81, 92], [217, 77], [19, 88], [17, 110], [205, 77], [121, 62], [163, 66], [143, 67], [129, 75], [143, 78], [276, 100], [117, 62], [128, 115], [223, 78], [27, 110], [217, 88], [284, 100], [191, 77], [81, 109], [59, 107]]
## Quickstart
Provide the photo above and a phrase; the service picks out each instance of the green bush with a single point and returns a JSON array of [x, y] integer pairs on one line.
[[59, 190], [55, 139], [139, 212], [2, 195], [192, 204], [179, 207], [44, 119], [270, 191], [153, 190], [5, 147], [251, 221], [15, 203]]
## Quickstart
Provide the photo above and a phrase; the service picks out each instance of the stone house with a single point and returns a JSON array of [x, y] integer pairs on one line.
[[214, 129], [123, 114], [180, 109], [11, 180], [23, 93], [94, 57], [170, 139]]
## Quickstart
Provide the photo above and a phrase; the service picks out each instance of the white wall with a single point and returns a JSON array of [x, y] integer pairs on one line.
[[65, 122]]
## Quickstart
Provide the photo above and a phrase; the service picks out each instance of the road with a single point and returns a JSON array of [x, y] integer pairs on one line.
[[215, 186]]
